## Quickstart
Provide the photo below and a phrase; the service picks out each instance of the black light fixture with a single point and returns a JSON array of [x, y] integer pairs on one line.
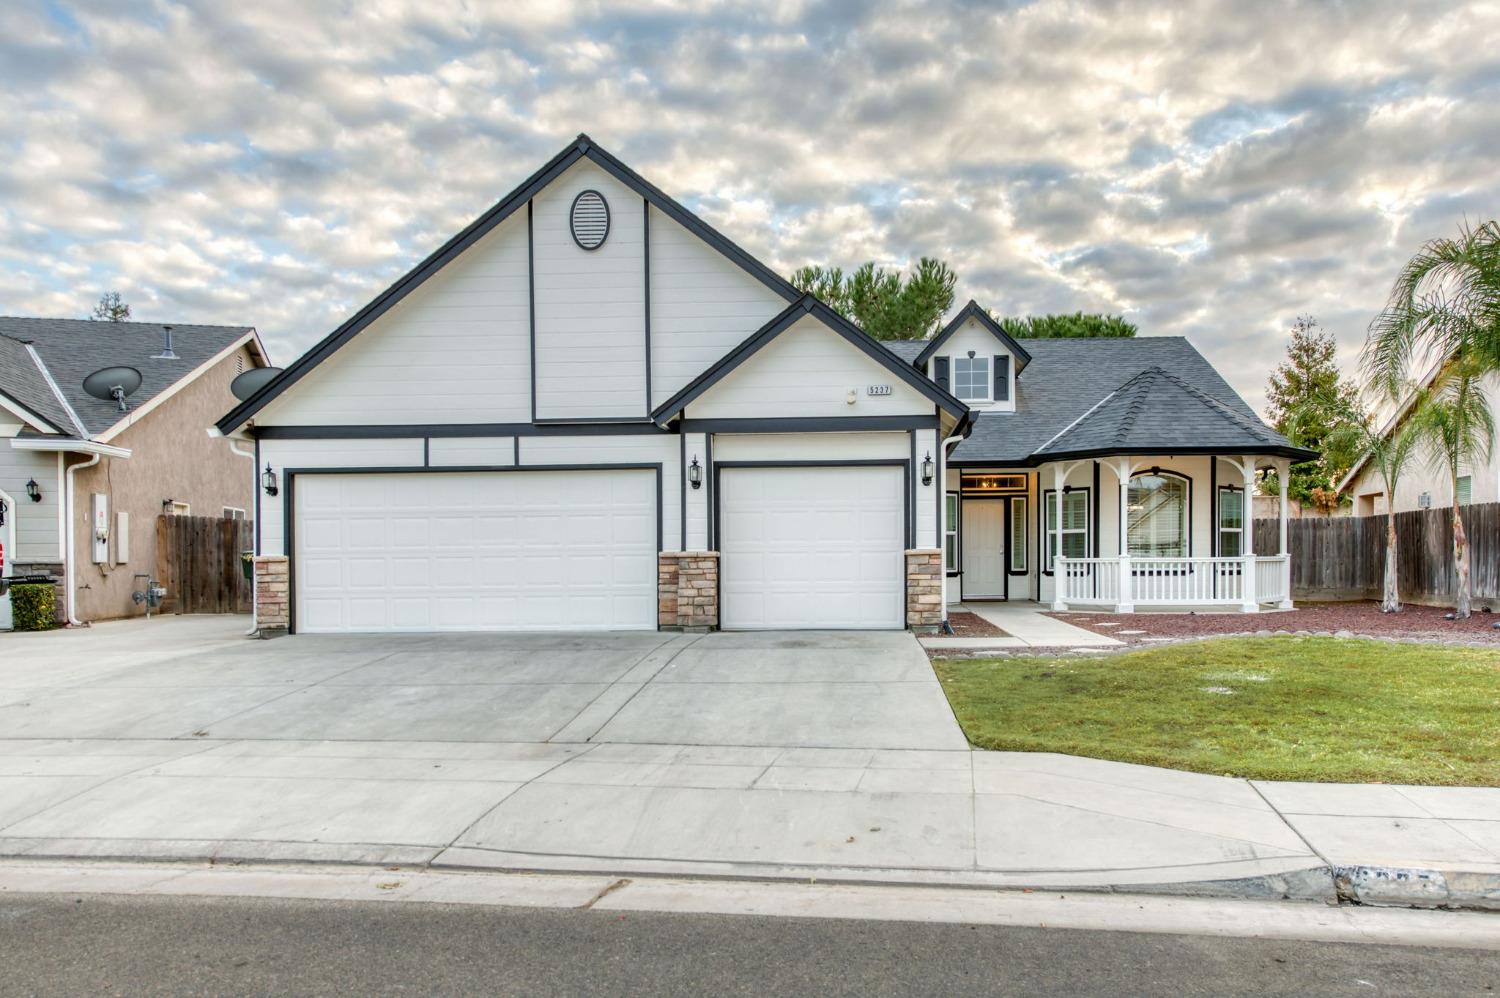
[[695, 473], [268, 481], [928, 469], [34, 491]]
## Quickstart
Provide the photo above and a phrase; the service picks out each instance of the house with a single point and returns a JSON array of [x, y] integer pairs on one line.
[[1424, 483], [83, 479], [589, 409]]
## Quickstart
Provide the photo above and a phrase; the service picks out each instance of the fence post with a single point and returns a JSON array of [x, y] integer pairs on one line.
[[1283, 472]]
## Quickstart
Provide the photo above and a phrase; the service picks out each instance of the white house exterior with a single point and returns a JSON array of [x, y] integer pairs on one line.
[[589, 410]]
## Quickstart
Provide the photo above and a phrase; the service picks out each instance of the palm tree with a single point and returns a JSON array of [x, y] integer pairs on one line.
[[1389, 454], [1454, 419], [1445, 304]]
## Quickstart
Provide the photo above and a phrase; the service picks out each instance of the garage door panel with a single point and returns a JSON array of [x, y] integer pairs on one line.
[[476, 551], [812, 547]]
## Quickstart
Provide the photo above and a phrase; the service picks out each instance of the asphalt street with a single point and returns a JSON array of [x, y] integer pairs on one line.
[[90, 944]]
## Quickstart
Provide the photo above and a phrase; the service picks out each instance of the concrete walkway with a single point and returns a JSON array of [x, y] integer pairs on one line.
[[453, 752], [1026, 625]]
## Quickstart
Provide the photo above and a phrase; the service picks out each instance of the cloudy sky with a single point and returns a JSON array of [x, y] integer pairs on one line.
[[1206, 168]]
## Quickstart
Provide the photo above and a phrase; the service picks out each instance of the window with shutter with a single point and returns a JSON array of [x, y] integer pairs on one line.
[[1002, 378], [940, 371]]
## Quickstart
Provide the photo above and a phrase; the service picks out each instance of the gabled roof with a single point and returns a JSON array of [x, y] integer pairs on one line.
[[808, 304], [973, 311], [1068, 377], [62, 352], [581, 148], [23, 386], [1157, 412]]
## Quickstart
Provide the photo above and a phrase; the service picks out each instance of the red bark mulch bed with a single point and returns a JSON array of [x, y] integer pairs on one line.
[[972, 625], [1363, 619]]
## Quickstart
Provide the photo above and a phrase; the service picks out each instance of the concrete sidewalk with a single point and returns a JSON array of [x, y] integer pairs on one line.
[[954, 818]]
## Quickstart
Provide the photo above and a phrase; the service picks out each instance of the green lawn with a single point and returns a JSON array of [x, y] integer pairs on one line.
[[1279, 708]]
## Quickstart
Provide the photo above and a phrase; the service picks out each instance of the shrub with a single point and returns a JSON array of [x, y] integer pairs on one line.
[[33, 607]]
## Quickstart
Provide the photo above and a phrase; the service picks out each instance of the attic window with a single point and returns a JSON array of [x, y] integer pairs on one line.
[[971, 378], [590, 220]]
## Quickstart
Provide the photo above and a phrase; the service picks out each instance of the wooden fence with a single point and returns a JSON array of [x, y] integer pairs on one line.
[[198, 562], [1344, 557]]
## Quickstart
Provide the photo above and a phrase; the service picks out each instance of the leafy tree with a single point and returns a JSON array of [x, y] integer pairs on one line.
[[111, 308], [1309, 401], [1075, 326], [1454, 419], [885, 304], [1389, 454]]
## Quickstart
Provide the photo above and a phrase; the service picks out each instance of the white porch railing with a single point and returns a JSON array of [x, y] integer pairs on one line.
[[1170, 581]]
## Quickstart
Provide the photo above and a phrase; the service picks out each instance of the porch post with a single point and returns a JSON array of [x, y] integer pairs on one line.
[[1283, 472], [1059, 477], [1126, 602], [1248, 601]]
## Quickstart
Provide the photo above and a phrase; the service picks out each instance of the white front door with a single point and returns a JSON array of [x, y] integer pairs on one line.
[[475, 551], [984, 549], [812, 547]]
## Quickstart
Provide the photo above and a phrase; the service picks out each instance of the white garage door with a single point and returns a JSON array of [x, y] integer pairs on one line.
[[812, 547], [476, 551]]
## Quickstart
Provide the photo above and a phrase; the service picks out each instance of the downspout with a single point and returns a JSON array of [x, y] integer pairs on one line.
[[254, 485], [69, 571]]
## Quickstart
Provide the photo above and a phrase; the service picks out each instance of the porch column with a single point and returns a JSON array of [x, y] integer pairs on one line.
[[1059, 478], [1283, 472], [1126, 603], [1248, 602]]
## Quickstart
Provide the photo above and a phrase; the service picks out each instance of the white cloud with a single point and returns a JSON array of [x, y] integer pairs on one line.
[[1210, 168]]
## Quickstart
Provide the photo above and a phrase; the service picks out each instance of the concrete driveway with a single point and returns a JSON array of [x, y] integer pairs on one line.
[[829, 690]]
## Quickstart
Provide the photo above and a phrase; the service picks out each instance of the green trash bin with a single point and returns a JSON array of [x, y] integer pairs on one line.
[[247, 565]]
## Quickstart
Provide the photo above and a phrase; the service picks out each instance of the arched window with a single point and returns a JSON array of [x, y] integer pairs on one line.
[[1158, 515]]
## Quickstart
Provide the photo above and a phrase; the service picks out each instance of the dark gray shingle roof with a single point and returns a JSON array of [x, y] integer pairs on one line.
[[72, 349], [22, 381], [1154, 410], [1068, 377]]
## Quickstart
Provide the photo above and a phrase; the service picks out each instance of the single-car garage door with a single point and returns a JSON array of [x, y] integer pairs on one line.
[[475, 551], [811, 547]]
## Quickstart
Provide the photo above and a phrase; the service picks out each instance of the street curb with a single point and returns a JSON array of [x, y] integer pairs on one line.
[[1413, 888]]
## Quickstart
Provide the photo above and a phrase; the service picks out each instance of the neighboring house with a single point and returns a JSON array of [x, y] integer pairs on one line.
[[72, 465], [1425, 483], [591, 410]]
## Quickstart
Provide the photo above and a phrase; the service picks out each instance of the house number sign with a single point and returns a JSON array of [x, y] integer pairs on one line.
[[878, 390]]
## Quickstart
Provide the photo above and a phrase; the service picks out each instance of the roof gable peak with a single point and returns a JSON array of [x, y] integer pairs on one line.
[[973, 310]]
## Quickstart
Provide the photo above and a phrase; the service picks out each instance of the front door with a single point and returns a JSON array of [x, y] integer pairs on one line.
[[984, 550]]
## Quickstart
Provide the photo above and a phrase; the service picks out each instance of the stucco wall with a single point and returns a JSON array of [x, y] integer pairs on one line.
[[172, 457]]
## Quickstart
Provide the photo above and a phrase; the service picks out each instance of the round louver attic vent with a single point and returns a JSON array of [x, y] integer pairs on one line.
[[590, 220]]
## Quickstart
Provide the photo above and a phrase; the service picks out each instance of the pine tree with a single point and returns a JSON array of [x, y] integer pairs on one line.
[[1308, 400], [111, 308]]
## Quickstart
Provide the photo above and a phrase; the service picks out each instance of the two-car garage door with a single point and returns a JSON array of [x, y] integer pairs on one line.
[[454, 551]]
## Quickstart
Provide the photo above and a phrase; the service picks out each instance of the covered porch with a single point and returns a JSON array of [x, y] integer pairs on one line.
[[1151, 558]]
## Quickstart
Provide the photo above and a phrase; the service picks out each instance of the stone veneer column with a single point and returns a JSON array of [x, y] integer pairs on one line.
[[687, 590], [272, 607], [924, 588]]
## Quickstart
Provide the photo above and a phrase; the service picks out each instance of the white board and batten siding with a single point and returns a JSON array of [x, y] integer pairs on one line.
[[808, 371], [455, 350], [703, 305], [590, 304]]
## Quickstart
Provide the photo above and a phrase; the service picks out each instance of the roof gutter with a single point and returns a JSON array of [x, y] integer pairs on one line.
[[69, 445]]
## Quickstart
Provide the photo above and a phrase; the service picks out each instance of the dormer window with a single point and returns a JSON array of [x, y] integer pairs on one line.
[[971, 378]]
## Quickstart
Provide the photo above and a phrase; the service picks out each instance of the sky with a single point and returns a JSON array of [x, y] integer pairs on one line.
[[1208, 169]]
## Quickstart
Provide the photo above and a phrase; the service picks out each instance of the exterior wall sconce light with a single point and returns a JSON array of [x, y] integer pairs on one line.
[[928, 469], [268, 481], [34, 491], [695, 473]]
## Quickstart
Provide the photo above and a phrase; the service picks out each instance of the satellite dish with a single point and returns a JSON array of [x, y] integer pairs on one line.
[[113, 384], [252, 381]]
